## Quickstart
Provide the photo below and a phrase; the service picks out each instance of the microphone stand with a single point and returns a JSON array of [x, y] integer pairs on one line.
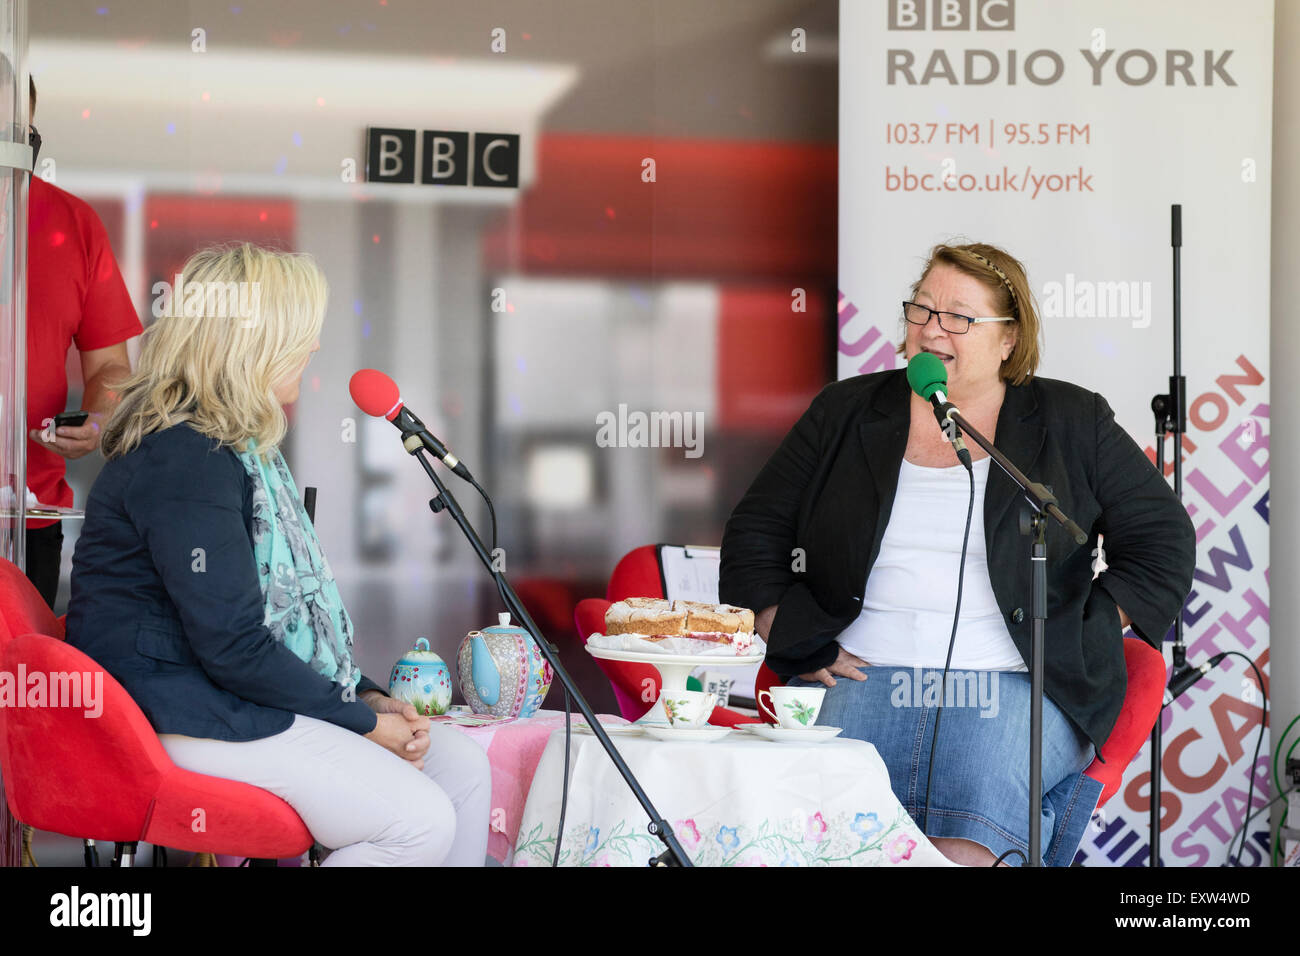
[[1034, 523], [1171, 419], [673, 855]]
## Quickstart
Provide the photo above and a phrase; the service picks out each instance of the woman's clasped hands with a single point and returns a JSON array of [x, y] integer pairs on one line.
[[400, 727]]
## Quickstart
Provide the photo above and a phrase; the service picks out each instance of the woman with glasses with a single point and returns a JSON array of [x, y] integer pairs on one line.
[[849, 544]]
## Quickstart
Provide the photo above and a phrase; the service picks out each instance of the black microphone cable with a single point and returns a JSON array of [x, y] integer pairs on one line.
[[1183, 682], [1263, 720], [952, 640]]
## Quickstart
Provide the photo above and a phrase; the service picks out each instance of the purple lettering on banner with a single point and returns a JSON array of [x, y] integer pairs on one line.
[[1183, 850], [1141, 854], [1207, 820], [1190, 617], [883, 360], [1258, 610], [1240, 558], [1257, 443], [1111, 829], [1235, 800], [1213, 495], [1126, 841], [861, 345], [1205, 527], [1261, 507], [1199, 650]]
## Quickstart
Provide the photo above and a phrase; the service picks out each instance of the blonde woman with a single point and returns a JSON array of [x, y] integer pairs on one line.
[[198, 583]]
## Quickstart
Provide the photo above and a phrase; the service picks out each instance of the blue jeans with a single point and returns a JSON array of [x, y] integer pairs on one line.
[[981, 762]]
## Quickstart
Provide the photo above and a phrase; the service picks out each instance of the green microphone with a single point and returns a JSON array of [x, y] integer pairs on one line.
[[929, 379], [926, 375]]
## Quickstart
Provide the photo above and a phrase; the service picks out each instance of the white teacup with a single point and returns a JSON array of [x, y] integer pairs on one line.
[[794, 708], [687, 708]]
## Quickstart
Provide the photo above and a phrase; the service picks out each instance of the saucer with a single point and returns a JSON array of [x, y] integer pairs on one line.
[[804, 735], [701, 735], [614, 730]]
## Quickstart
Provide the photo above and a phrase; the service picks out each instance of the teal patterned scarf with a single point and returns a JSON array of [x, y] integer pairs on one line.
[[303, 607]]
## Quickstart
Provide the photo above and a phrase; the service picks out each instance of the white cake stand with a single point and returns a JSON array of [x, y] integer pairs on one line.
[[673, 671]]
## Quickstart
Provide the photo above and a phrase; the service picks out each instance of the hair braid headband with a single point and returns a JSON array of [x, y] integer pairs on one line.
[[1001, 275]]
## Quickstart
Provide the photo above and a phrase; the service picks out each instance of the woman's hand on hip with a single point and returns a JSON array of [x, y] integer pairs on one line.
[[844, 665]]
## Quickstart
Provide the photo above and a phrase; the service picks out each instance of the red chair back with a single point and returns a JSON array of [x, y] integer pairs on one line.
[[94, 768], [637, 574], [22, 609], [1143, 702], [55, 757]]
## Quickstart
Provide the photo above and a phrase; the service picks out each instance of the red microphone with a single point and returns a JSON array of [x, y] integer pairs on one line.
[[376, 394]]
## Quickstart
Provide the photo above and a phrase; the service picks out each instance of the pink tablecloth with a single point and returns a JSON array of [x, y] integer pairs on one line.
[[514, 748]]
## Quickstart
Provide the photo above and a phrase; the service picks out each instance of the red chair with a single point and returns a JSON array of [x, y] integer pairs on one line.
[[637, 574], [1142, 704], [107, 777]]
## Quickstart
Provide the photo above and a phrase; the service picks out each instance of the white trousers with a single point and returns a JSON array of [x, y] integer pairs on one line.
[[370, 806]]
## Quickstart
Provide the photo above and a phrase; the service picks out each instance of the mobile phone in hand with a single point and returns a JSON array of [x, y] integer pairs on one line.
[[72, 419]]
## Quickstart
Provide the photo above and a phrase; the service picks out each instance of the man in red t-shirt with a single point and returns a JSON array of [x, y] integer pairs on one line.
[[75, 293]]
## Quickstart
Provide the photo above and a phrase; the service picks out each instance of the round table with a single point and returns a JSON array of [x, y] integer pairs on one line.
[[739, 801]]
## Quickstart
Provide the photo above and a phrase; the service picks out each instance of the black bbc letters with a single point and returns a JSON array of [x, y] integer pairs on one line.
[[390, 155], [496, 159], [447, 157], [952, 14]]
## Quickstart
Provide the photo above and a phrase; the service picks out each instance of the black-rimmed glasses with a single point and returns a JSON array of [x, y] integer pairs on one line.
[[952, 322]]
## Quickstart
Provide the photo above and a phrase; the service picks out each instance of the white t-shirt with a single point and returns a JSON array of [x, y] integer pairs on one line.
[[911, 591]]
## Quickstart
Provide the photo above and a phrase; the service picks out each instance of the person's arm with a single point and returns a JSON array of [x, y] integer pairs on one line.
[[101, 370], [187, 502], [1149, 539], [758, 561]]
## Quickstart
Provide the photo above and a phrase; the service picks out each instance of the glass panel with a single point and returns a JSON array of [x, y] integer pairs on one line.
[[13, 325], [510, 318]]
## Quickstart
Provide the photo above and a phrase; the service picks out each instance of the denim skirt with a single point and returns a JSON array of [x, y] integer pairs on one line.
[[981, 762]]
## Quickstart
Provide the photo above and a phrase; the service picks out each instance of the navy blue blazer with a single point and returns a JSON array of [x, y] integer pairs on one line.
[[166, 598], [829, 490]]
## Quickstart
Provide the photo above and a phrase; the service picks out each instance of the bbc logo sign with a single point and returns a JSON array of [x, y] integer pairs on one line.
[[446, 158], [952, 14]]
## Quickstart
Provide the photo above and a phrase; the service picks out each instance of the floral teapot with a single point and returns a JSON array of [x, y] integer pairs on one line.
[[422, 678], [501, 672]]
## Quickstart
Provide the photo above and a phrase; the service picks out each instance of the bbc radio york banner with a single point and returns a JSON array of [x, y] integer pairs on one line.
[[1063, 132]]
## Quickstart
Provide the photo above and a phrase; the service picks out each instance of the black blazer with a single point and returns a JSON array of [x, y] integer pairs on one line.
[[181, 628], [830, 486]]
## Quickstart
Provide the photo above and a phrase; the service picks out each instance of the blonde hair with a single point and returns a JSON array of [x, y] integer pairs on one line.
[[216, 368], [1008, 286]]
